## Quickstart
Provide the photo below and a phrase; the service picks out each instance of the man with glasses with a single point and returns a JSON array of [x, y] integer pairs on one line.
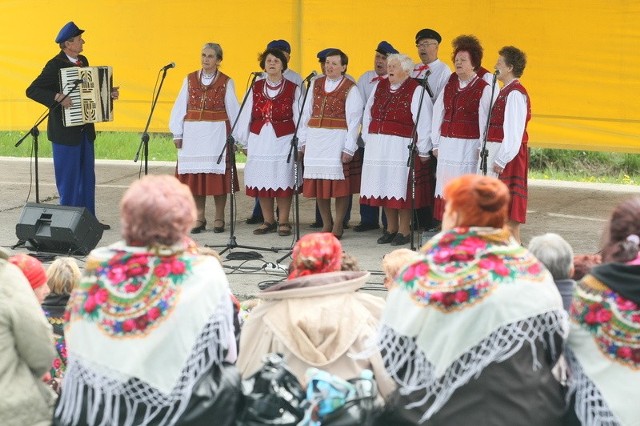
[[427, 42], [438, 73]]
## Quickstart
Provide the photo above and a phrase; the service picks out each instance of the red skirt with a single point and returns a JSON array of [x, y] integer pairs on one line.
[[269, 193], [514, 176], [209, 183], [326, 188], [438, 208]]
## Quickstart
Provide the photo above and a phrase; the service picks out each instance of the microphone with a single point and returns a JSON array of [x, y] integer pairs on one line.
[[257, 73], [496, 73], [80, 80], [166, 67], [427, 73], [310, 76]]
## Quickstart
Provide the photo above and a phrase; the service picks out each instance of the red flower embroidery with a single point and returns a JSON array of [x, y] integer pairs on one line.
[[603, 316], [590, 318], [153, 313], [461, 296], [90, 304], [442, 256], [626, 305], [437, 296], [624, 352], [131, 288], [128, 325], [177, 267], [534, 269], [162, 270], [101, 296]]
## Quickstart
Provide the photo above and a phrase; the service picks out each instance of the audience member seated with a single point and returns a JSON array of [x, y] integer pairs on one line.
[[603, 349], [557, 255], [394, 261], [471, 330], [316, 317], [582, 264], [26, 351], [63, 275], [151, 323]]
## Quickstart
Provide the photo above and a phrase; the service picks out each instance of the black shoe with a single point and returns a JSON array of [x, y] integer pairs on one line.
[[400, 240], [105, 227], [254, 220], [366, 227], [386, 238], [200, 228], [346, 225], [315, 225]]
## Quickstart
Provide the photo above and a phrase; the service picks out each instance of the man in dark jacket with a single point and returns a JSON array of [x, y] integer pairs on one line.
[[73, 150]]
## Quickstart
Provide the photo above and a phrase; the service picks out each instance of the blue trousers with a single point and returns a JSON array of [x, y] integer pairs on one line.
[[369, 215], [74, 167]]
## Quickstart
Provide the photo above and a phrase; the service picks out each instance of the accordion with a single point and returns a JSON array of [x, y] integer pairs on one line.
[[91, 98]]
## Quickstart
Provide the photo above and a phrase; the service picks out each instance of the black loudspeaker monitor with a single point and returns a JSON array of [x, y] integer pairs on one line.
[[58, 229]]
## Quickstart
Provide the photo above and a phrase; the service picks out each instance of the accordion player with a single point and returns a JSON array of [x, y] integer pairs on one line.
[[91, 98]]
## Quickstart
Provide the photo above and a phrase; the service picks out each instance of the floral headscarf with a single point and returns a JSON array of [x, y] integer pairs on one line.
[[316, 253]]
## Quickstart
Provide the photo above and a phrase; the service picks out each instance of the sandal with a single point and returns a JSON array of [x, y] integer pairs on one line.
[[265, 228], [202, 225], [284, 229], [218, 229]]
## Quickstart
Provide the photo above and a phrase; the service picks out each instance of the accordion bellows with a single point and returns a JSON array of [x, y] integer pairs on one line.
[[91, 97]]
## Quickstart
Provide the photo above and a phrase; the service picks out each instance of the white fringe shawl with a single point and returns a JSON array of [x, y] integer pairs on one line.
[[409, 367], [590, 407], [105, 389]]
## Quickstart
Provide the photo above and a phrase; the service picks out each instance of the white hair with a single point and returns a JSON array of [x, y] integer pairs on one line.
[[555, 253], [405, 62], [217, 49]]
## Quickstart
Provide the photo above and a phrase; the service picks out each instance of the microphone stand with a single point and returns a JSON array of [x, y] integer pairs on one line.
[[484, 152], [34, 132], [144, 140], [229, 146], [412, 153], [296, 167]]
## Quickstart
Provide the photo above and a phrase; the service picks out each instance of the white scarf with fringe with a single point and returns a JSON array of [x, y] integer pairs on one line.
[[143, 327], [475, 298]]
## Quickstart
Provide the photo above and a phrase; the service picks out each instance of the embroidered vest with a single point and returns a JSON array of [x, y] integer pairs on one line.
[[278, 110], [391, 111], [206, 103], [461, 109], [496, 131], [328, 109]]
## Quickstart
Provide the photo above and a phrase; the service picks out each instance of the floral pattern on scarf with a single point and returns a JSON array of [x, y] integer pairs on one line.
[[129, 294], [462, 266], [612, 320]]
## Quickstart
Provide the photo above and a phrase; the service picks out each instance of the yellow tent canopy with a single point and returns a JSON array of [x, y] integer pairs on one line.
[[581, 72]]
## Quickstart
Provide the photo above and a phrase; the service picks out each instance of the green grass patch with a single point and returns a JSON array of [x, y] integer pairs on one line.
[[109, 145], [584, 166], [557, 164]]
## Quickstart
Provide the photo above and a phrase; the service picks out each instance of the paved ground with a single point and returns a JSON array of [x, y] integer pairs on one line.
[[576, 211]]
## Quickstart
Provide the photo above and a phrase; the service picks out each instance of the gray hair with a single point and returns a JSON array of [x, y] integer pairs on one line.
[[555, 253], [405, 62], [215, 47]]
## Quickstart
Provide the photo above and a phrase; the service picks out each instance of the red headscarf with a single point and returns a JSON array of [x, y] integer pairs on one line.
[[316, 253], [31, 268]]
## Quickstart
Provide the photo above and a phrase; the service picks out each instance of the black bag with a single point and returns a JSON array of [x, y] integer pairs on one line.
[[272, 396], [216, 396]]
